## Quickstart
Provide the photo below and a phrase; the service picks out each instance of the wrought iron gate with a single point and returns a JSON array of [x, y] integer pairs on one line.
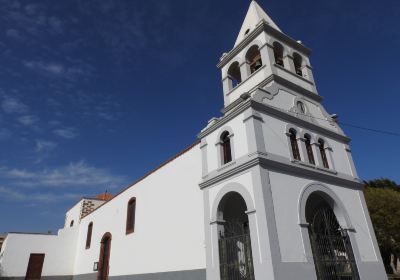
[[333, 254], [235, 255]]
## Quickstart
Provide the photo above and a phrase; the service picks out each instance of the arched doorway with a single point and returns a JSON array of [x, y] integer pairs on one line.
[[330, 243], [235, 256], [104, 258]]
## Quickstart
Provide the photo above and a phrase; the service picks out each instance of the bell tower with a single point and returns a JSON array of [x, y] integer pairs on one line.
[[262, 50], [274, 164]]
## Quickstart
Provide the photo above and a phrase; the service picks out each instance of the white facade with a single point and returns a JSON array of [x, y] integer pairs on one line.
[[245, 170]]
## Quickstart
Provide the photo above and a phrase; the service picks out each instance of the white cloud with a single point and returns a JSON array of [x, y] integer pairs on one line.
[[43, 146], [49, 67], [15, 195], [68, 132], [28, 120], [75, 174], [13, 105]]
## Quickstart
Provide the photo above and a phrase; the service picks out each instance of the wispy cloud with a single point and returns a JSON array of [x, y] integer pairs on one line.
[[13, 105], [28, 120], [48, 67], [44, 146], [75, 174], [10, 194], [67, 133]]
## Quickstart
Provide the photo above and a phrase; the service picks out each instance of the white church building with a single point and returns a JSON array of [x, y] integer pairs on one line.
[[268, 192]]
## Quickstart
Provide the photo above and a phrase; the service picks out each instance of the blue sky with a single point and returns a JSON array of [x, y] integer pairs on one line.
[[95, 93]]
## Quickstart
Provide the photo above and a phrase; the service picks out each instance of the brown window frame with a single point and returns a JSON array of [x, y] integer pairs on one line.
[[294, 144], [89, 235], [310, 153], [130, 215], [322, 151], [226, 148]]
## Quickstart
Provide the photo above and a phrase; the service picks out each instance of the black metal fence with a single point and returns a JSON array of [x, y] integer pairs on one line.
[[235, 256]]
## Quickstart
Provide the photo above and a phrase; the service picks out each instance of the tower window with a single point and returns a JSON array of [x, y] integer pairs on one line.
[[71, 224], [278, 53], [89, 235], [226, 148], [294, 144], [300, 107], [234, 74], [130, 216], [310, 153], [247, 32], [253, 58], [298, 61], [323, 153]]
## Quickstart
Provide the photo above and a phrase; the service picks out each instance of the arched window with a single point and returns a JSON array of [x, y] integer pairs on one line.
[[89, 235], [278, 53], [234, 74], [226, 147], [331, 245], [253, 58], [300, 107], [130, 216], [72, 223], [294, 144], [323, 153], [309, 150], [298, 62]]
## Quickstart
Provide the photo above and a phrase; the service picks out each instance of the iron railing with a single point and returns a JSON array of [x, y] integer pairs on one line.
[[235, 256]]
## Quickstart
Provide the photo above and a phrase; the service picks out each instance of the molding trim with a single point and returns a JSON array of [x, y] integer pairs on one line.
[[280, 164], [250, 103]]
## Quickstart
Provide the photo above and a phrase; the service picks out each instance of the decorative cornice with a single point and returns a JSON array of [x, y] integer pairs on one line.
[[280, 164], [263, 26], [241, 107]]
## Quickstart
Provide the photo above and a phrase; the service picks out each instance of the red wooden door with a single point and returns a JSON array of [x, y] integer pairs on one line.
[[104, 257], [35, 265]]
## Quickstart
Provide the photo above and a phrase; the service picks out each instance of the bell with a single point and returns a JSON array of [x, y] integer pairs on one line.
[[257, 65]]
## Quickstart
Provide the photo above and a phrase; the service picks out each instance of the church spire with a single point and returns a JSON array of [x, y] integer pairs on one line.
[[254, 15]]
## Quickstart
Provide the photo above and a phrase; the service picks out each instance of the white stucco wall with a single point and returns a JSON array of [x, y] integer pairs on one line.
[[238, 142], [59, 252], [169, 234], [73, 214], [286, 192]]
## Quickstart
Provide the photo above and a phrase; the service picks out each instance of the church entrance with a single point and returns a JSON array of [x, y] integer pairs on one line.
[[104, 257], [35, 265], [330, 243], [234, 242]]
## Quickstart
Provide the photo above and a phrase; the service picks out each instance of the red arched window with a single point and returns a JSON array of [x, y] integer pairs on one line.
[[89, 235], [293, 143], [226, 147], [130, 216], [310, 153], [323, 153]]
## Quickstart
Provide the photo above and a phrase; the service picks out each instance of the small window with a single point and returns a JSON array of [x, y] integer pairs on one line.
[[247, 32], [234, 74], [300, 107], [226, 147], [294, 144], [130, 217], [253, 58], [323, 153], [72, 223], [89, 235], [298, 62], [278, 53], [310, 153]]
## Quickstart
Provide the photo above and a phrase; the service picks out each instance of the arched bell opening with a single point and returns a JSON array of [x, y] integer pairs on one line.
[[253, 58], [330, 242], [235, 255], [234, 75]]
